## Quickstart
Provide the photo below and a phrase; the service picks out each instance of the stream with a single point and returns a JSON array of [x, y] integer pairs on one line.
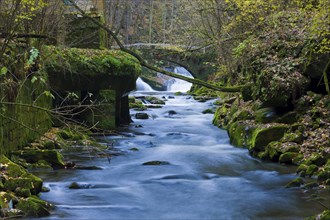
[[201, 175]]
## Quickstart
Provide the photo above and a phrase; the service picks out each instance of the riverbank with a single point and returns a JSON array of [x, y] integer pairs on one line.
[[297, 135], [20, 189]]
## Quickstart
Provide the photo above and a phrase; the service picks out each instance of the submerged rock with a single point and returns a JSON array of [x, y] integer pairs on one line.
[[141, 116], [156, 162]]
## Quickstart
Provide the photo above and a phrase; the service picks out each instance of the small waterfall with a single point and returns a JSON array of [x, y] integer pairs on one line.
[[178, 85], [142, 86]]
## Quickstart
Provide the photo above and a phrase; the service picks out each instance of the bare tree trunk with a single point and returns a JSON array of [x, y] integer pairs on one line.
[[150, 20]]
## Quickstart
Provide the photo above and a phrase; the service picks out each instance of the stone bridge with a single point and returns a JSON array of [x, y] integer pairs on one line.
[[198, 61], [95, 82]]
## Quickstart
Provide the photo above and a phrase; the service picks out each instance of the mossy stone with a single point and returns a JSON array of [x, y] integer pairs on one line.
[[155, 100], [296, 137], [302, 169], [23, 192], [272, 150], [295, 183], [311, 170], [243, 115], [237, 134], [287, 157], [53, 157], [33, 207], [36, 182], [208, 111], [13, 183], [262, 136], [13, 170], [318, 159]]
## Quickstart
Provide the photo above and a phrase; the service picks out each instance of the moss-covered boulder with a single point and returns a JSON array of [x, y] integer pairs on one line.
[[263, 135], [33, 206], [17, 176], [238, 133], [53, 157]]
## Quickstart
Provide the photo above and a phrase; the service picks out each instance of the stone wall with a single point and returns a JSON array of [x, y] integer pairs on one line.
[[21, 123]]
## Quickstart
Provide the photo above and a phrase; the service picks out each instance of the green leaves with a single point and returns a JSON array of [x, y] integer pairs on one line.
[[3, 71]]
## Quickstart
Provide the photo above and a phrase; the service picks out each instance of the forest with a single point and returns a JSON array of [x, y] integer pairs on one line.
[[165, 109]]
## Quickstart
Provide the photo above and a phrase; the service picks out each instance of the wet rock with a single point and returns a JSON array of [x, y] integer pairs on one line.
[[208, 111], [154, 106], [171, 97], [75, 185], [172, 112], [156, 163], [134, 149], [87, 167], [295, 183], [154, 100], [141, 116]]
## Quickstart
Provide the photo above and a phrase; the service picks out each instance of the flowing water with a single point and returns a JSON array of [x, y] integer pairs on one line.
[[202, 176]]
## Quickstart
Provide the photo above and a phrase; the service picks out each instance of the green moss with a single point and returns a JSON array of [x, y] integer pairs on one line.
[[13, 170], [36, 182], [13, 183], [238, 134], [208, 111], [295, 183], [287, 157], [155, 100], [262, 136], [302, 169], [34, 207], [53, 157], [90, 62], [311, 170], [272, 150], [296, 137]]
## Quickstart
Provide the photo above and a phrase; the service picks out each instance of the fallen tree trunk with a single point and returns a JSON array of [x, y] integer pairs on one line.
[[144, 63]]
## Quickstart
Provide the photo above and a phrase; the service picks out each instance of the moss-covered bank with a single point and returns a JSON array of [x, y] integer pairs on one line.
[[298, 136]]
